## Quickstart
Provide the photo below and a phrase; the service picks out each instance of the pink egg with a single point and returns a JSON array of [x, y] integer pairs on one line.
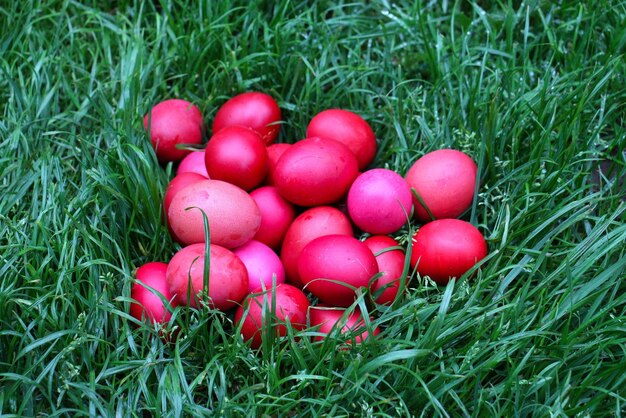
[[178, 183], [276, 215], [379, 201], [193, 163], [227, 281], [233, 216], [262, 264]]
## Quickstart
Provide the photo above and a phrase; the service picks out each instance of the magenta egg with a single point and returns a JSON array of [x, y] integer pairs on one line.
[[276, 215], [379, 201], [263, 265], [193, 163]]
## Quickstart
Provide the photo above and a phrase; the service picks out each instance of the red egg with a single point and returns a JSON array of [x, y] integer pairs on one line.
[[233, 216], [379, 201], [311, 224], [238, 156], [276, 215], [263, 265], [329, 263], [193, 163], [348, 128], [331, 318], [390, 264], [170, 123], [227, 281], [445, 180], [254, 110], [290, 304], [447, 248], [315, 172], [274, 152], [149, 304]]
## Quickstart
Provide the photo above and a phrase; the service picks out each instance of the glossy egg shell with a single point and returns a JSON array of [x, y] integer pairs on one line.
[[329, 262], [310, 224], [315, 171], [447, 248], [255, 110], [238, 156]]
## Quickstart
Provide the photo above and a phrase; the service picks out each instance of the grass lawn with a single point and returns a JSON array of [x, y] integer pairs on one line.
[[534, 91]]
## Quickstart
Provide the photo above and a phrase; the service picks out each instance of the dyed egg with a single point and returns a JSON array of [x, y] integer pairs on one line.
[[263, 265], [390, 265], [193, 163], [328, 319], [148, 303], [332, 267], [276, 215], [227, 281], [310, 224], [379, 201], [233, 216]]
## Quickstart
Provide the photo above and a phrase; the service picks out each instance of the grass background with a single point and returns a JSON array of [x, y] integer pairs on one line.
[[533, 90]]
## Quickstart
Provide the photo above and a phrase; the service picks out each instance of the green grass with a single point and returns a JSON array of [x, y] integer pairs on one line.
[[533, 90]]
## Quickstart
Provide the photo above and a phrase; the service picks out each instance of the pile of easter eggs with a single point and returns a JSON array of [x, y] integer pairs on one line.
[[266, 228]]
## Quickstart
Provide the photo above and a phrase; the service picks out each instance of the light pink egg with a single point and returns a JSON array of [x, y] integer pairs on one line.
[[232, 215], [379, 201], [276, 215], [193, 163], [262, 264]]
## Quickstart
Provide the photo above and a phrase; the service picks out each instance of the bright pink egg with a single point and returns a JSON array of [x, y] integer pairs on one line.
[[233, 216], [346, 127], [290, 304], [445, 180], [333, 266], [276, 215], [263, 265], [193, 163], [238, 156], [310, 224], [258, 111], [379, 201], [329, 318], [274, 152], [227, 281], [390, 264], [170, 123], [315, 172], [447, 248], [149, 305]]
